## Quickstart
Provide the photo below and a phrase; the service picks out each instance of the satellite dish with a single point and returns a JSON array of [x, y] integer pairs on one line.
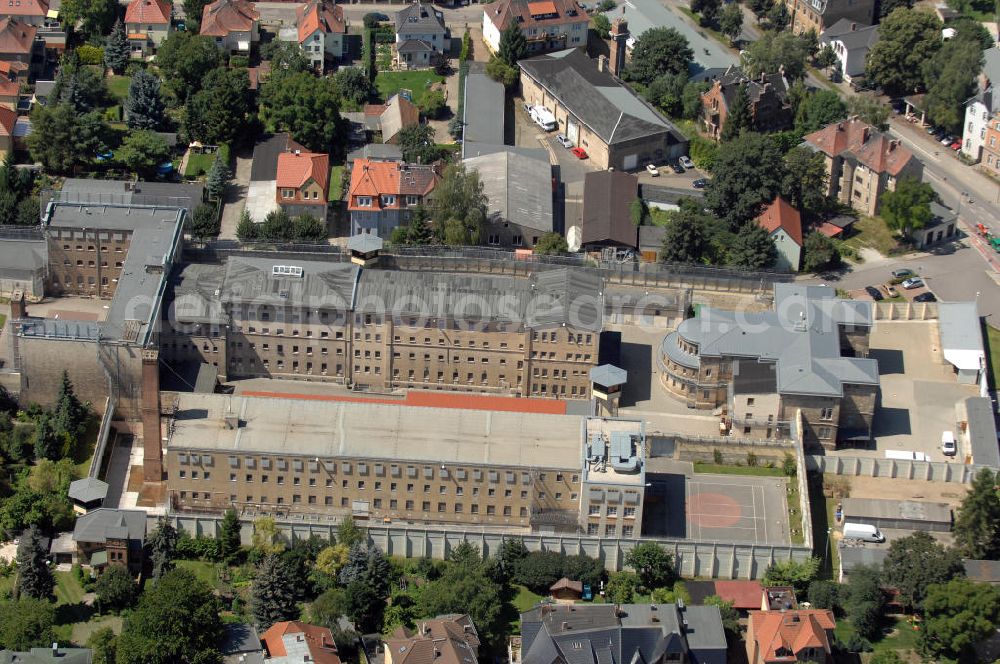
[[574, 238]]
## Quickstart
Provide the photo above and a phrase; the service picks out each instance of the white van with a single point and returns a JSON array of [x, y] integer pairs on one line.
[[863, 532], [543, 118]]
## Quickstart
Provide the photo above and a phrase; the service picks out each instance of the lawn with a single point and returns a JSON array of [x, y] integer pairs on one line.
[[871, 232], [794, 512], [6, 585], [722, 469], [525, 599], [68, 589], [336, 178], [898, 635], [418, 82], [118, 86], [199, 162], [207, 572], [992, 337]]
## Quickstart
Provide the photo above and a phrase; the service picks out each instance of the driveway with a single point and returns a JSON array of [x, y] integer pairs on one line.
[[236, 194]]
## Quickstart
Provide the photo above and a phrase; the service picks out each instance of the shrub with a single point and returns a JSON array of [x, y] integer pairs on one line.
[[90, 55]]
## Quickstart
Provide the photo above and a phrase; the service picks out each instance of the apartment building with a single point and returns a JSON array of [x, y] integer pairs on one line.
[[377, 461], [808, 355], [862, 163], [818, 15], [382, 194], [547, 25], [767, 97], [991, 147]]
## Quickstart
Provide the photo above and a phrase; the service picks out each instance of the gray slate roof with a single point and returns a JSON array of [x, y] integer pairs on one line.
[[97, 526], [858, 42], [88, 490], [855, 556], [19, 259], [241, 644], [377, 152], [250, 281], [420, 18], [45, 656], [983, 571], [414, 46], [518, 186], [910, 510], [483, 112], [982, 432], [800, 336], [365, 242], [608, 375], [596, 98]]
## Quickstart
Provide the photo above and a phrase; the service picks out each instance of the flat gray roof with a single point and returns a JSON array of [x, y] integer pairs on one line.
[[911, 510], [483, 111], [855, 556], [961, 334], [376, 431], [982, 432], [518, 186], [21, 258]]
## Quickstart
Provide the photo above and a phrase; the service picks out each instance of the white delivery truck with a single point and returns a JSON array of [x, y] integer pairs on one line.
[[543, 118], [863, 532]]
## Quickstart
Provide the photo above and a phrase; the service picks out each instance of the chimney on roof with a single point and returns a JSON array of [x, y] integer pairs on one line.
[[619, 39], [602, 63], [865, 133], [893, 144]]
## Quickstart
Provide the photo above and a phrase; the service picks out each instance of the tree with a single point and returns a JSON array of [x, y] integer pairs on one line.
[[602, 26], [460, 197], [977, 523], [512, 552], [818, 109], [738, 119], [791, 573], [824, 594], [908, 207], [667, 92], [247, 230], [104, 644], [551, 243], [653, 565], [804, 184], [622, 587], [950, 79], [62, 139], [370, 20], [730, 616], [826, 57], [34, 578], [958, 616], [916, 562], [907, 39], [885, 657], [69, 414], [538, 570], [886, 7], [216, 179], [80, 86], [272, 596], [193, 11], [49, 443], [864, 601], [354, 85], [305, 106], [218, 112], [752, 248], [819, 253], [162, 543], [778, 17], [708, 9], [869, 110], [176, 621], [501, 72], [972, 30], [350, 533], [513, 45], [26, 624], [332, 559], [285, 56], [433, 104], [185, 59], [144, 108], [205, 222], [229, 536], [465, 590], [308, 229], [774, 51], [115, 589], [96, 17], [746, 176], [760, 7], [116, 50], [731, 22], [143, 151], [685, 238], [659, 51]]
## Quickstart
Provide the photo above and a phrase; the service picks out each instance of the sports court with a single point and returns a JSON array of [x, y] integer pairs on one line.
[[723, 508]]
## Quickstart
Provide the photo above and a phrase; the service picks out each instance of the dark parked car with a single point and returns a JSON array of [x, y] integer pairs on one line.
[[699, 183], [677, 168], [874, 293], [925, 297]]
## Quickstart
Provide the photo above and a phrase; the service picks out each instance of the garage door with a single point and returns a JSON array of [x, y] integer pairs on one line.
[[573, 131], [631, 161]]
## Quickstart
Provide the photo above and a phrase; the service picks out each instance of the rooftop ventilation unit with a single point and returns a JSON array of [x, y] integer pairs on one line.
[[286, 271]]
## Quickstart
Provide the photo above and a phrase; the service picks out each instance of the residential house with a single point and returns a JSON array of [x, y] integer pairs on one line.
[[982, 107], [241, 644], [108, 536], [374, 152], [548, 25], [808, 355], [607, 219], [862, 163], [850, 42], [797, 635], [18, 44], [293, 642], [10, 92], [991, 147], [941, 227], [147, 23], [8, 120], [261, 198], [382, 194], [819, 15], [650, 633], [767, 98], [784, 225], [32, 12], [234, 24], [595, 111], [392, 117], [421, 36], [518, 187], [448, 639], [14, 71], [303, 179], [322, 31], [52, 655]]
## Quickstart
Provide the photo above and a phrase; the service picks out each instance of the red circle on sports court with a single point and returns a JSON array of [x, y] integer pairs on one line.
[[713, 510]]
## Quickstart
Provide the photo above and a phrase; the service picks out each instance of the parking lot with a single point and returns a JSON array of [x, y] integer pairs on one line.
[[891, 291], [918, 391]]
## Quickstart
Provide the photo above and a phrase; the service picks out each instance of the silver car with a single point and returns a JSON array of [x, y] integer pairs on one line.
[[563, 141], [686, 162]]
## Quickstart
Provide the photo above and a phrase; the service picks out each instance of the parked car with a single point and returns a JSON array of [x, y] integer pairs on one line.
[[913, 282], [948, 446], [903, 273], [956, 145], [563, 141], [686, 162], [874, 293], [948, 139], [925, 297], [890, 290], [699, 183], [653, 170], [579, 153], [677, 168]]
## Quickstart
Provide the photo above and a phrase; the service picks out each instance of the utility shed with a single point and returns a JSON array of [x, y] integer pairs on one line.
[[899, 514], [962, 339]]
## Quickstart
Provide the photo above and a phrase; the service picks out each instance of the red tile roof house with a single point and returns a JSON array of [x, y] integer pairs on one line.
[[234, 24], [382, 194], [9, 93], [799, 635], [548, 25], [862, 163], [147, 23], [784, 224], [32, 12], [294, 642], [302, 182], [18, 44], [322, 31]]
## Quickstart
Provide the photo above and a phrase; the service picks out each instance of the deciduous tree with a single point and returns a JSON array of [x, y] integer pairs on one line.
[[731, 21], [63, 139], [685, 238], [746, 176], [551, 243], [218, 113], [622, 587], [950, 79], [792, 573], [26, 623], [143, 151], [95, 17], [907, 39], [653, 564], [908, 207], [752, 248], [818, 109], [958, 615], [305, 106], [354, 85], [916, 562], [864, 601], [805, 181], [776, 51], [185, 59], [659, 51], [819, 253], [115, 589], [460, 197]]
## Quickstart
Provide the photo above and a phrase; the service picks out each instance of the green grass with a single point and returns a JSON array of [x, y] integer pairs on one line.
[[992, 337], [723, 469], [794, 512], [419, 82], [82, 632], [871, 232], [903, 636], [6, 585], [207, 572], [118, 86], [68, 589], [198, 164], [525, 599], [336, 182]]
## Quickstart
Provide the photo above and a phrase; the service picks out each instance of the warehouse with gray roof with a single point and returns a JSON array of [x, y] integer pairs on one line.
[[898, 514], [518, 187]]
